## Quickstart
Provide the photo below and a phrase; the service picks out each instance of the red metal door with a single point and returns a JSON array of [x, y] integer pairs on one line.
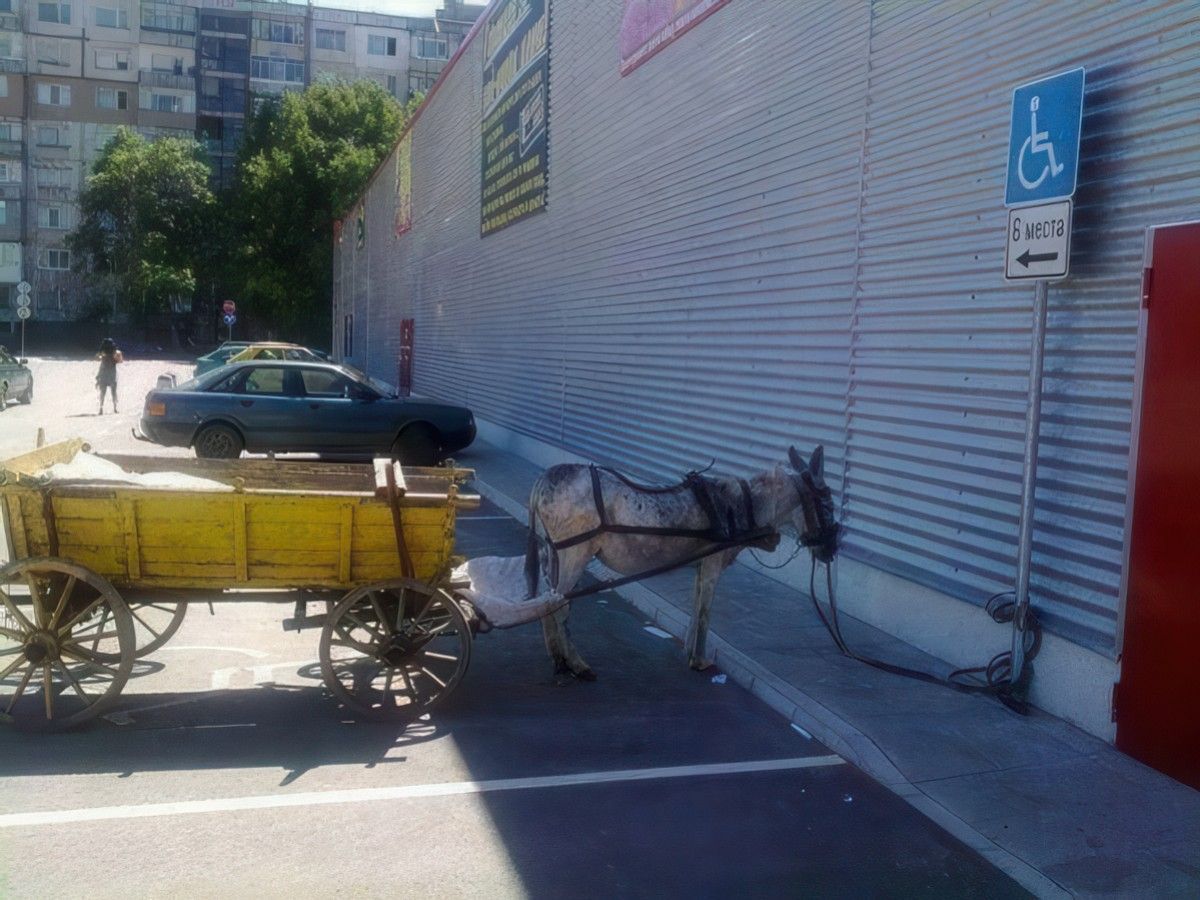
[[1156, 701], [404, 364]]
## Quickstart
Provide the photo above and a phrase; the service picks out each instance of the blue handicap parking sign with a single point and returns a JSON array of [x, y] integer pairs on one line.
[[230, 318], [1043, 141]]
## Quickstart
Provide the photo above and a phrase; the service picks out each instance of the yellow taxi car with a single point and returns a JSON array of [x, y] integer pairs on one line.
[[269, 350]]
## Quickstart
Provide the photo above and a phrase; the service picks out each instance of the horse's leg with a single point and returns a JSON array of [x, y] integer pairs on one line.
[[707, 573], [567, 660]]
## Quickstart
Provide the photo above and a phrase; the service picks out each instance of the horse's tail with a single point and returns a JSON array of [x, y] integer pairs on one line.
[[532, 549]]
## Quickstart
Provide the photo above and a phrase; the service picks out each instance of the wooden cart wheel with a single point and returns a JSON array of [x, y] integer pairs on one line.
[[393, 649], [66, 644], [154, 623]]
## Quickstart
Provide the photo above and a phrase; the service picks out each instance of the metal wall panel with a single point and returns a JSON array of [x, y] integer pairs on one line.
[[686, 295], [940, 353], [788, 226]]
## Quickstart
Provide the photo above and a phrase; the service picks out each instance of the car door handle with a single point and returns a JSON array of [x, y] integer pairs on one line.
[[314, 406], [247, 403]]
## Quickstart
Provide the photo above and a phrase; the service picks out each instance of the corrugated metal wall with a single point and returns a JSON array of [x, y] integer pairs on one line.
[[940, 352], [788, 227]]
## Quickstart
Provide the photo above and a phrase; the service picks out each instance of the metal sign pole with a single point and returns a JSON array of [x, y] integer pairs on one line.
[[22, 338], [1033, 420]]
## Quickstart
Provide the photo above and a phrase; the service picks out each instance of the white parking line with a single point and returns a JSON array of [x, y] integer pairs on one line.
[[405, 792]]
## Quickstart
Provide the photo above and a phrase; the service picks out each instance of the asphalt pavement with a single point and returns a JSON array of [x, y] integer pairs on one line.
[[228, 771]]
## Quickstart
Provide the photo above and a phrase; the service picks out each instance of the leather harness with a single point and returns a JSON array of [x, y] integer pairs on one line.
[[719, 531]]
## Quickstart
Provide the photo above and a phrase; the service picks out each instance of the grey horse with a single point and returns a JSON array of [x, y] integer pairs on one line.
[[565, 510]]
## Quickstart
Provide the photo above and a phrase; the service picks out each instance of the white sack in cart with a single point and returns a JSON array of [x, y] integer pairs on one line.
[[87, 467], [495, 585]]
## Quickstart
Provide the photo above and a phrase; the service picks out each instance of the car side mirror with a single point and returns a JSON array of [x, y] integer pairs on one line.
[[23, 361]]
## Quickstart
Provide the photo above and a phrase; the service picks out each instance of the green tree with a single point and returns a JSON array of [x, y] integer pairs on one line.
[[304, 160], [146, 210]]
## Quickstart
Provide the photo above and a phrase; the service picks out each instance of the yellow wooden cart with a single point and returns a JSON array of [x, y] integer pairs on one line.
[[102, 566]]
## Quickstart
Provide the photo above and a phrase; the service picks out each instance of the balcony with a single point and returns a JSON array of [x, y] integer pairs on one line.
[[10, 21], [178, 80], [12, 149], [10, 64]]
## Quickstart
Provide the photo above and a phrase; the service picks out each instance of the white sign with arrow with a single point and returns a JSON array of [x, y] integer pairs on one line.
[[1039, 241]]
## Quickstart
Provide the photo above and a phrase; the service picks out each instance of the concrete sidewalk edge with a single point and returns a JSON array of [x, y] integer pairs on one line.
[[809, 714]]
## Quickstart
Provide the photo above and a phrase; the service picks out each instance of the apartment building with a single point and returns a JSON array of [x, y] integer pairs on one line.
[[73, 71]]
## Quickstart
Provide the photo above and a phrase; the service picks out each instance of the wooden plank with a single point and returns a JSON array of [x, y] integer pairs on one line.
[[264, 535], [182, 574], [295, 575], [17, 527], [91, 531], [132, 553], [294, 556], [96, 507], [216, 539], [310, 510], [160, 556], [177, 508], [239, 538], [429, 538], [345, 543], [107, 561]]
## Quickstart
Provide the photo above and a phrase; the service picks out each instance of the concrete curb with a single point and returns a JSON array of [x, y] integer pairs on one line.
[[809, 714]]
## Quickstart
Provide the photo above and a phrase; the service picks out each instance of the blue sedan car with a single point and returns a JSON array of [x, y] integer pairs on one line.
[[301, 407]]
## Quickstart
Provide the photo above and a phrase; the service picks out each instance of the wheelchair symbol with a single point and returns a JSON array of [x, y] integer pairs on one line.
[[1037, 143]]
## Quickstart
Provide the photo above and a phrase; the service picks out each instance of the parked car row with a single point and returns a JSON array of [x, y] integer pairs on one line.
[[16, 381]]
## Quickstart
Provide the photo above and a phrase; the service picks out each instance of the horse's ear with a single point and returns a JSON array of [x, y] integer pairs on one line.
[[796, 460], [817, 463]]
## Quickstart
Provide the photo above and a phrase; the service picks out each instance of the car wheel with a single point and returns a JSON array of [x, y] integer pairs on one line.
[[3, 396], [418, 445], [26, 397], [218, 442]]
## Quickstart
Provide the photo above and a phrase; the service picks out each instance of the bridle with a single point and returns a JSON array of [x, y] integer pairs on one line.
[[821, 529]]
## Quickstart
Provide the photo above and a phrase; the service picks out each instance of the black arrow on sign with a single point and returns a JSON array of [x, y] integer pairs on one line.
[[1026, 258]]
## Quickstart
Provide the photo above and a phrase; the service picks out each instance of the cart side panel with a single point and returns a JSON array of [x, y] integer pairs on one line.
[[186, 535], [90, 530], [374, 556]]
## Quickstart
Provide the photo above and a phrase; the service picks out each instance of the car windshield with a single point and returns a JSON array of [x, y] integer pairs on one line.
[[380, 387], [5, 359]]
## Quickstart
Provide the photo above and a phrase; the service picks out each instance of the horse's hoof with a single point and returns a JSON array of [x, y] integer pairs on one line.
[[586, 675]]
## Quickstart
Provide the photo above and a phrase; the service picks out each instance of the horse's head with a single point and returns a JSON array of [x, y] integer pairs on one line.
[[815, 516]]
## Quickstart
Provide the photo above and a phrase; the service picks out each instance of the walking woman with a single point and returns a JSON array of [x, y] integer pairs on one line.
[[106, 378]]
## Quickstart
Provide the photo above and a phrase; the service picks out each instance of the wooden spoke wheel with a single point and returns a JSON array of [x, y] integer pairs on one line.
[[66, 644], [154, 623], [394, 649]]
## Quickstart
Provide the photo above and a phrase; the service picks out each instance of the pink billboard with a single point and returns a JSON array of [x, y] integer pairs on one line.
[[649, 25]]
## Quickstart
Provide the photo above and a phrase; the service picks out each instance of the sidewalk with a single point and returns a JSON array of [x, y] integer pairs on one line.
[[1058, 810]]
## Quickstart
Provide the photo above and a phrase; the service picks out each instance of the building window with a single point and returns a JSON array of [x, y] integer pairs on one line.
[[161, 62], [10, 255], [168, 103], [3, 212], [392, 85], [328, 39], [432, 46], [10, 131], [10, 171], [52, 136], [381, 45], [52, 52], [112, 17], [168, 17], [276, 69], [3, 85], [48, 176], [59, 260], [6, 6], [49, 299], [52, 216], [112, 59], [6, 46], [54, 94], [57, 13], [279, 32], [111, 98]]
